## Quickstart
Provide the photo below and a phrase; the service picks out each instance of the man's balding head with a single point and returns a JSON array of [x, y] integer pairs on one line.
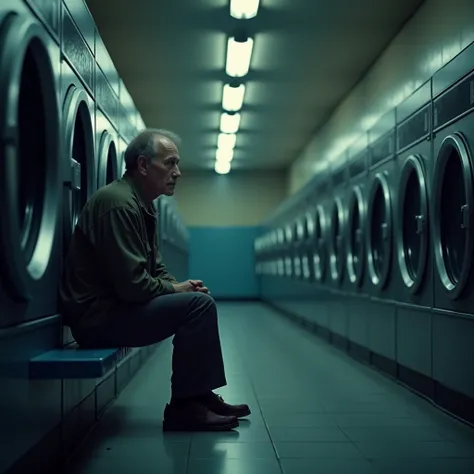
[[152, 159], [148, 144]]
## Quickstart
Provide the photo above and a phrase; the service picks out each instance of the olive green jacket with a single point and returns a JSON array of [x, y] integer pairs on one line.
[[113, 259]]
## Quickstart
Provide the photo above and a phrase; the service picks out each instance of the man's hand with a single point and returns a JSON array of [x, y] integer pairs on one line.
[[190, 286], [199, 286], [183, 287]]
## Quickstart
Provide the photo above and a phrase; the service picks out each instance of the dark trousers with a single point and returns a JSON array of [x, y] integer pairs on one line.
[[191, 317]]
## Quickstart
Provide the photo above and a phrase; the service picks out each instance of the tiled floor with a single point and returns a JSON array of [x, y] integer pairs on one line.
[[315, 410]]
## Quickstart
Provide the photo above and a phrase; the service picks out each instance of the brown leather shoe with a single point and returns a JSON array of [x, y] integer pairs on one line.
[[216, 404], [194, 416]]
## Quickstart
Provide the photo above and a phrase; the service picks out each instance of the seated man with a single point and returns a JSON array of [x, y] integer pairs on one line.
[[117, 292]]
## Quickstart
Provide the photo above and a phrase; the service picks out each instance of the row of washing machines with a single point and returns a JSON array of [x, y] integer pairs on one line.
[[378, 251], [66, 118]]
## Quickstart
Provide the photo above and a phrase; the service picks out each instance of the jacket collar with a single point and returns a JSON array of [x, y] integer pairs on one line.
[[149, 207]]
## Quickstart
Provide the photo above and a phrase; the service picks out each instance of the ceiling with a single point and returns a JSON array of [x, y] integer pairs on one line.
[[307, 56]]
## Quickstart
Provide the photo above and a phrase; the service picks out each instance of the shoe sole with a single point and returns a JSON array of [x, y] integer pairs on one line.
[[243, 413], [170, 426]]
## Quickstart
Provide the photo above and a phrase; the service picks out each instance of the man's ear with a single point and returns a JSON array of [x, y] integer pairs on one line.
[[142, 164]]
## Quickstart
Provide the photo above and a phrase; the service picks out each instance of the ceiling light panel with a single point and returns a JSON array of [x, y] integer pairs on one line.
[[239, 55], [244, 9], [233, 97]]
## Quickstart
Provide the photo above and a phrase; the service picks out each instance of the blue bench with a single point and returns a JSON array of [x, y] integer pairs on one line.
[[72, 362]]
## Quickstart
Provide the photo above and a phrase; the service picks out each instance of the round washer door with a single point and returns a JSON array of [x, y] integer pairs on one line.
[[107, 171], [299, 239], [412, 225], [79, 179], [379, 233], [288, 243], [336, 241], [318, 231], [308, 231], [355, 242], [30, 164], [453, 214]]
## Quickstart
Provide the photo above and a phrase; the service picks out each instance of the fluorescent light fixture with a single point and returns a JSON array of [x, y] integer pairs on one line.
[[224, 155], [222, 167], [230, 123], [233, 97], [238, 57], [244, 9], [226, 140]]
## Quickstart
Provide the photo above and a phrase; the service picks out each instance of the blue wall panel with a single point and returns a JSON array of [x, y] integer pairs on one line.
[[223, 258]]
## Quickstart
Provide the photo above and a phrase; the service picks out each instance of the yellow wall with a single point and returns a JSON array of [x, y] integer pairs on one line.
[[240, 198]]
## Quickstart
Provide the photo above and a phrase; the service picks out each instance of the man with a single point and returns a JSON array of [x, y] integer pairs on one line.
[[117, 292]]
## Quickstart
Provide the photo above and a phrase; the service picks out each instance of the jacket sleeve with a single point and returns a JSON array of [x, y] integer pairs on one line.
[[124, 257], [162, 271]]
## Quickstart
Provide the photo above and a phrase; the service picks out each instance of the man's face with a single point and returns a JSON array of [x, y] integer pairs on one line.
[[162, 172]]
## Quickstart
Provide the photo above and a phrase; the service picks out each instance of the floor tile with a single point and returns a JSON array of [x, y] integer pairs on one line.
[[225, 465], [423, 466], [326, 434], [419, 449], [317, 450], [202, 448], [245, 433], [392, 434], [327, 466], [300, 420]]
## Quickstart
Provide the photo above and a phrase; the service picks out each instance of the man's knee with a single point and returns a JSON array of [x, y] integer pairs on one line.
[[204, 300]]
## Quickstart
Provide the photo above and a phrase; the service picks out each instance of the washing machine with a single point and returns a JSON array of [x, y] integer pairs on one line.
[[382, 273], [358, 305], [299, 232], [78, 158], [381, 209], [279, 250], [122, 146], [265, 255], [306, 242], [337, 224], [30, 148], [317, 250], [107, 117], [288, 247], [336, 296], [257, 251], [106, 150], [414, 292], [259, 256], [317, 223], [356, 216], [412, 222], [453, 181]]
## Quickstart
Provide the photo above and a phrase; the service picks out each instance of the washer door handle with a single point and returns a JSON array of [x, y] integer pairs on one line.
[[75, 175], [420, 223], [384, 227], [465, 217]]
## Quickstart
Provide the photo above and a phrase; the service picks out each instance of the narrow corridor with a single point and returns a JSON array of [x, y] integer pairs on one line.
[[315, 410]]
